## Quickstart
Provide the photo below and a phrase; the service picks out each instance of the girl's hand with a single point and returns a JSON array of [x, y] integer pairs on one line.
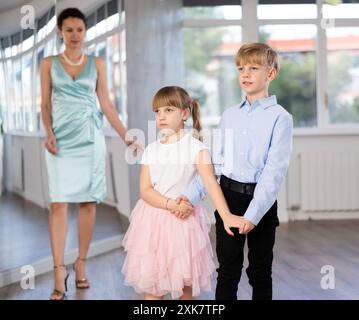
[[181, 210], [233, 221], [184, 210], [182, 199], [185, 207], [50, 143]]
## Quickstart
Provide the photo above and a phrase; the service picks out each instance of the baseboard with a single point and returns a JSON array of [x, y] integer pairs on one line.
[[344, 215], [34, 199], [46, 265]]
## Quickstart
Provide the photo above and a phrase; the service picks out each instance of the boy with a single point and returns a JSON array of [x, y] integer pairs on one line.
[[252, 161]]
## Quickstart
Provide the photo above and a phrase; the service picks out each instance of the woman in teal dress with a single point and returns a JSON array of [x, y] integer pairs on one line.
[[75, 144]]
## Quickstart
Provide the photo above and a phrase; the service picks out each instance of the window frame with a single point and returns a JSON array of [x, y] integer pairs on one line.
[[50, 42], [250, 32]]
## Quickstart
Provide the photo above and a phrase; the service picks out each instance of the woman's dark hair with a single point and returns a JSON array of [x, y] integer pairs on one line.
[[70, 13]]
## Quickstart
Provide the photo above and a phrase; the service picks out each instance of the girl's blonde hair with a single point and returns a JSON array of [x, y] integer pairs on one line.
[[178, 97]]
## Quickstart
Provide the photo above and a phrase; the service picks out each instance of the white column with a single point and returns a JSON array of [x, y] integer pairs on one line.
[[154, 58], [1, 161], [250, 21]]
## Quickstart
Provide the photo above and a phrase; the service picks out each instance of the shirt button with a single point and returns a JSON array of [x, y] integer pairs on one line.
[[244, 132], [241, 153]]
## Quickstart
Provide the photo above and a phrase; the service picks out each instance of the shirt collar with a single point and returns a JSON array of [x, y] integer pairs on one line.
[[264, 103]]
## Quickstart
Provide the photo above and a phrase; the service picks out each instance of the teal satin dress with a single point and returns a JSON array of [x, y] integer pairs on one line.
[[77, 172]]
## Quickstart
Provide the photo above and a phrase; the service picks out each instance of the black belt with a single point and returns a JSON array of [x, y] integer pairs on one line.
[[246, 188]]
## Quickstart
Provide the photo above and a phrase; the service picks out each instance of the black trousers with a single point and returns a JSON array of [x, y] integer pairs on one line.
[[260, 251]]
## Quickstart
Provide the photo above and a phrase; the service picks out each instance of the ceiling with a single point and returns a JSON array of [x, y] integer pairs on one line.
[[6, 5]]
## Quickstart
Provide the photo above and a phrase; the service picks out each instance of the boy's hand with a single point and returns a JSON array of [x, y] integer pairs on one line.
[[232, 221], [246, 227]]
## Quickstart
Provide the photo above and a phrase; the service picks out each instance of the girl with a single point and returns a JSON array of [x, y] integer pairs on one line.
[[171, 253]]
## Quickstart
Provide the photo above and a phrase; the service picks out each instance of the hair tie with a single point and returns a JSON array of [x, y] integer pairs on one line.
[[190, 101]]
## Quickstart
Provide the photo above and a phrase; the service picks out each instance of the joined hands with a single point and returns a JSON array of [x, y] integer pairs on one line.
[[181, 207]]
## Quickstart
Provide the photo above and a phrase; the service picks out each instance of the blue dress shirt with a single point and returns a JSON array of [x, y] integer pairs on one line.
[[254, 146]]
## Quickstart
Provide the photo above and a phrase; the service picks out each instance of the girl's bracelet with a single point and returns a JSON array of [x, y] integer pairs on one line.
[[168, 199]]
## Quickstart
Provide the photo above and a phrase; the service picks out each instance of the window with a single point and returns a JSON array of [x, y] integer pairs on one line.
[[212, 36], [51, 25], [42, 27], [343, 74], [28, 43], [331, 64], [3, 104], [39, 57], [10, 91], [210, 71], [101, 50], [287, 11], [295, 85], [105, 39], [29, 124], [341, 10], [115, 77], [91, 33], [49, 49], [101, 28], [113, 21], [91, 49], [22, 53], [218, 12]]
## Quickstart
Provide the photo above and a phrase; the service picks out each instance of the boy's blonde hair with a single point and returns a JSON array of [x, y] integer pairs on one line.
[[259, 53]]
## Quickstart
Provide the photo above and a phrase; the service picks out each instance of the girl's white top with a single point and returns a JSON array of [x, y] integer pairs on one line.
[[172, 166]]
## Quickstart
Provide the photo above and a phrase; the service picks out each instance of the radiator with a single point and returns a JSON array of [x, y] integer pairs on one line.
[[329, 181]]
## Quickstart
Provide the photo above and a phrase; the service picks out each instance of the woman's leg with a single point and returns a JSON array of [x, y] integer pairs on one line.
[[86, 224], [58, 227], [187, 293]]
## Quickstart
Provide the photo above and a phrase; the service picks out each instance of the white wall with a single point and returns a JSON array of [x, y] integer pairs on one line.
[[1, 163], [335, 176], [154, 46]]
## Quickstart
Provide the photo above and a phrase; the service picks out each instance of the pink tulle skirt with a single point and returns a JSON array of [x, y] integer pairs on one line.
[[165, 253]]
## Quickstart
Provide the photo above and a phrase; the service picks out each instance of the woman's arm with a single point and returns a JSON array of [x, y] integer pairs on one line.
[[45, 78], [156, 199], [206, 171]]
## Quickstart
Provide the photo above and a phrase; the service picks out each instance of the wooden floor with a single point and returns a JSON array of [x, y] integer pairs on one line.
[[24, 231], [302, 249]]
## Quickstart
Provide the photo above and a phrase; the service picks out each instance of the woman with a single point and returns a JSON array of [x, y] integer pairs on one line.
[[75, 144]]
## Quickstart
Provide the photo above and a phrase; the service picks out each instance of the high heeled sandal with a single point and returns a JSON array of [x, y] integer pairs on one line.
[[81, 283], [56, 292]]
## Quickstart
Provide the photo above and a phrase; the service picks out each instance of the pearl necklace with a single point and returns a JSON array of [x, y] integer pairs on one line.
[[73, 63]]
